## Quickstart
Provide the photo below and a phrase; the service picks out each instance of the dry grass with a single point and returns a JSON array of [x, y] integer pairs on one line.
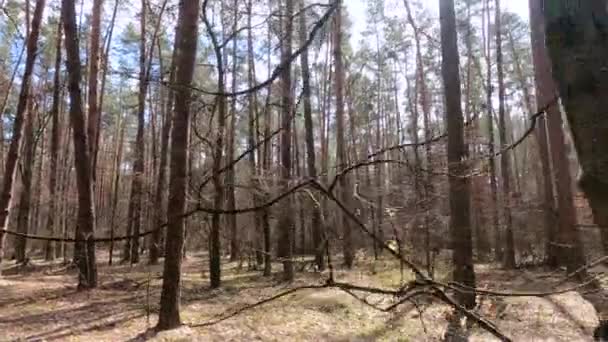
[[43, 305]]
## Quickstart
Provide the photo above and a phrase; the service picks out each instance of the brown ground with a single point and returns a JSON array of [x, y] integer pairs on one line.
[[42, 304]]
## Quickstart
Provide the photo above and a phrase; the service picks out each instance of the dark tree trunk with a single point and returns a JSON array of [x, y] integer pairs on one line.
[[545, 91], [162, 169], [341, 157], [490, 120], [572, 84], [15, 144], [286, 222], [230, 177], [218, 201], [505, 167], [187, 31], [25, 198], [578, 47], [317, 228], [135, 203], [85, 228], [459, 186]]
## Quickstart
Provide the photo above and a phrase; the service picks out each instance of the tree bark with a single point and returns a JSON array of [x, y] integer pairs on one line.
[[49, 250], [187, 31], [498, 255], [459, 186], [94, 111], [286, 219], [85, 228], [578, 47], [25, 198], [230, 177], [581, 89], [505, 167], [15, 144], [317, 228], [135, 203], [545, 91], [162, 169]]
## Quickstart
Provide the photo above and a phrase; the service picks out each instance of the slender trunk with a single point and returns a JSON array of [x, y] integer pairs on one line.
[[85, 228], [505, 167], [15, 144], [162, 170], [230, 178], [187, 31], [317, 229], [253, 119], [286, 219], [493, 184], [94, 111], [215, 243], [135, 203], [23, 212], [49, 250], [459, 187], [119, 142]]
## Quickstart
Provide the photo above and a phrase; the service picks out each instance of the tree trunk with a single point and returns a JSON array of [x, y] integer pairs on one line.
[[230, 178], [135, 203], [49, 249], [317, 228], [459, 186], [15, 144], [505, 167], [498, 255], [85, 228], [253, 119], [162, 170], [25, 199], [579, 88], [94, 111], [286, 222], [187, 31], [545, 91], [578, 46]]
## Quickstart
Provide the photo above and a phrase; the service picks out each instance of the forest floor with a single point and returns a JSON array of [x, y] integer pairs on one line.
[[41, 304]]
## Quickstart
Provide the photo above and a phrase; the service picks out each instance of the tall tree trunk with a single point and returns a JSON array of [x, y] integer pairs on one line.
[[345, 188], [498, 255], [286, 219], [545, 91], [49, 250], [267, 157], [578, 46], [94, 111], [505, 167], [118, 150], [15, 144], [187, 31], [317, 228], [85, 228], [164, 150], [135, 203], [218, 201], [230, 178], [569, 249], [459, 186], [253, 120], [25, 198]]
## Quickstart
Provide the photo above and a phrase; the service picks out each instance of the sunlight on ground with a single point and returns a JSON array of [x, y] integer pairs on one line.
[[44, 305]]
